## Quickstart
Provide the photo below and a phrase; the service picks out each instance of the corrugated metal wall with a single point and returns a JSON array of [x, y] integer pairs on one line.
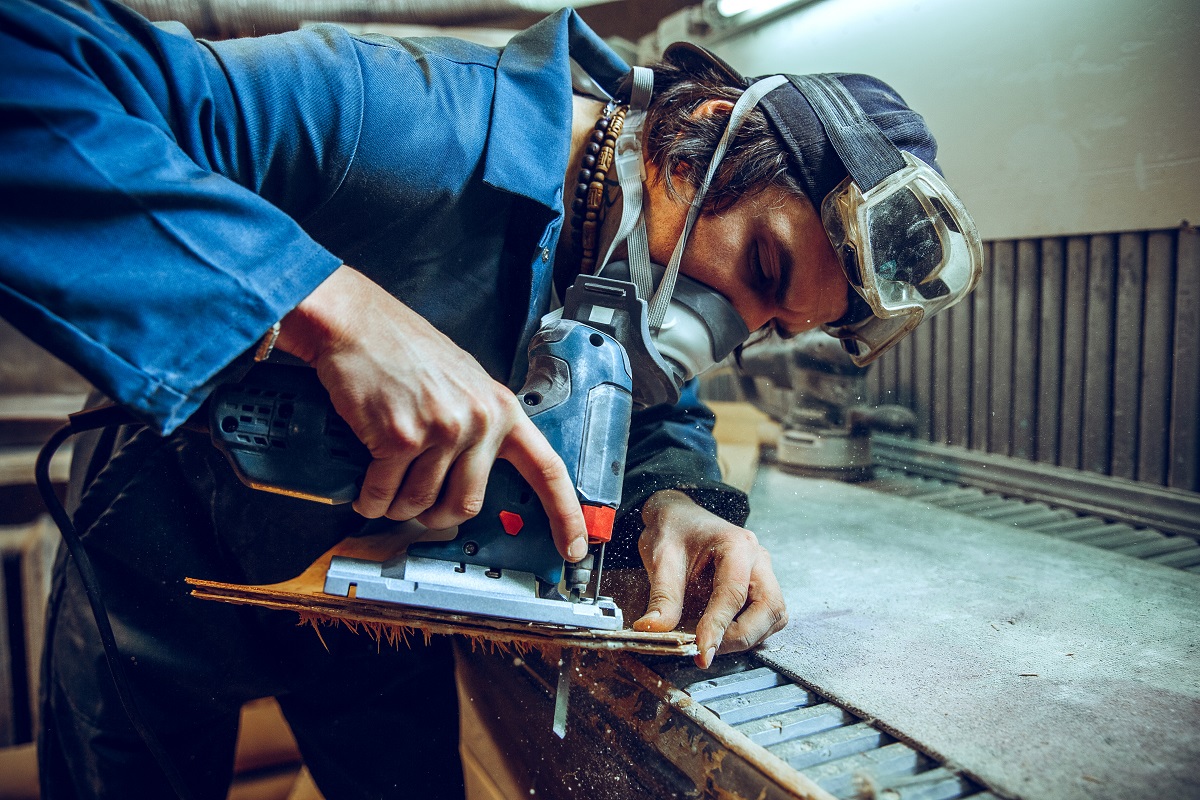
[[1080, 351]]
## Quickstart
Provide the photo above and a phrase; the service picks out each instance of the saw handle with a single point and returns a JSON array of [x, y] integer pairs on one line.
[[578, 394], [279, 432]]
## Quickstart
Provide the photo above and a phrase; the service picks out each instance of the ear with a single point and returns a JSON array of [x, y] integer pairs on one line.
[[713, 107], [708, 108]]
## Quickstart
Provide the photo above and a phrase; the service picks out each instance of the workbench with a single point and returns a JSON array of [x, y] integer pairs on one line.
[[929, 654]]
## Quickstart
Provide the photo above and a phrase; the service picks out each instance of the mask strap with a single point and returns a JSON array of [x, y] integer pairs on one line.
[[630, 174], [744, 105]]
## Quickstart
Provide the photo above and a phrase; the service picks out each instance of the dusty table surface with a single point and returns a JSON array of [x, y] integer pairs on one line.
[[1046, 668]]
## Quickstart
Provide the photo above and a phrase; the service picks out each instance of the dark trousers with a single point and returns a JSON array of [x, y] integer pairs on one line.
[[372, 721]]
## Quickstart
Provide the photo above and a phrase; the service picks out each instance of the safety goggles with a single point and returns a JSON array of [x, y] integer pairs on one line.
[[908, 248]]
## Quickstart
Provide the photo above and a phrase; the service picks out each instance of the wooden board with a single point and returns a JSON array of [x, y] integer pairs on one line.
[[394, 623]]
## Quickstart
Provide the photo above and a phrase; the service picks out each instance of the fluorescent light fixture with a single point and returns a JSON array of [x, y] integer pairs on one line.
[[731, 8]]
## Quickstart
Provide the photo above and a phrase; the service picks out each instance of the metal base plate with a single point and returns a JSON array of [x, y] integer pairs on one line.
[[440, 585]]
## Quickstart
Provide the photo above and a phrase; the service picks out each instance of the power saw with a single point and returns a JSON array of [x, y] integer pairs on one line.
[[279, 431]]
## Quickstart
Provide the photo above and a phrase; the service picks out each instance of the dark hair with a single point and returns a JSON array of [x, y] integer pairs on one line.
[[681, 144]]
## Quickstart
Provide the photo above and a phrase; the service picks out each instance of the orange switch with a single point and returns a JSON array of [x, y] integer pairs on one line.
[[599, 522]]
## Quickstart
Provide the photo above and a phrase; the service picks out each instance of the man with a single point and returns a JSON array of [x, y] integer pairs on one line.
[[399, 208]]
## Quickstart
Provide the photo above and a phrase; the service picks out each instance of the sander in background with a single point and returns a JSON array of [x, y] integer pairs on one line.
[[811, 386]]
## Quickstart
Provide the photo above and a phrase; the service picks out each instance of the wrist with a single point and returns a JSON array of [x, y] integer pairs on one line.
[[661, 503], [309, 329]]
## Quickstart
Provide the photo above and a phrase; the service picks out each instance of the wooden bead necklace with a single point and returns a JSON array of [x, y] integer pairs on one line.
[[587, 209]]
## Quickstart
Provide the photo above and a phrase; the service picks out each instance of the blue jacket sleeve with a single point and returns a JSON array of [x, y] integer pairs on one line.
[[671, 447], [149, 234]]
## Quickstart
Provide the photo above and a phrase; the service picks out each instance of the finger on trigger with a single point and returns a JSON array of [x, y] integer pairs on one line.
[[527, 450]]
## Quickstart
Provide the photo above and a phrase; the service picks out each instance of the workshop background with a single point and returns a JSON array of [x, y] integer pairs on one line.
[[1062, 397]]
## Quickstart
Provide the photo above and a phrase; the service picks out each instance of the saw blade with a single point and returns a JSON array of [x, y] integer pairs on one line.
[[562, 695]]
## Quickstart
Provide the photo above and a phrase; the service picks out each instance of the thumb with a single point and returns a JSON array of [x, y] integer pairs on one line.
[[667, 569]]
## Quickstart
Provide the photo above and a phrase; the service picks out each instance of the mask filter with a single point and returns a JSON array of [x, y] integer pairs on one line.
[[700, 328]]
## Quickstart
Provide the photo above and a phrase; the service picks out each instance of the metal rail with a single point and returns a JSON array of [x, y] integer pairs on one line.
[[1139, 504]]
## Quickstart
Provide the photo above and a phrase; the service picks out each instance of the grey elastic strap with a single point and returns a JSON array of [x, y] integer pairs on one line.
[[867, 154], [745, 103], [628, 163]]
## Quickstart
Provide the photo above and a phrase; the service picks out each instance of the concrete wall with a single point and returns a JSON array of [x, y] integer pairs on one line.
[[1070, 116]]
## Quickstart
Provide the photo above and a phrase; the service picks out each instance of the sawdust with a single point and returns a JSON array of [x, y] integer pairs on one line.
[[395, 635]]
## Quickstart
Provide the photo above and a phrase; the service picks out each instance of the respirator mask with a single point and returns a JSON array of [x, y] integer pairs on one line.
[[672, 327]]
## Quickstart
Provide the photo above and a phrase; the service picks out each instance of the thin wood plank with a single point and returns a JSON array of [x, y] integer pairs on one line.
[[1098, 356], [1001, 416], [1074, 347], [940, 358], [959, 380], [1050, 346], [1025, 348], [1153, 425], [1185, 381], [1131, 269], [981, 369], [305, 595]]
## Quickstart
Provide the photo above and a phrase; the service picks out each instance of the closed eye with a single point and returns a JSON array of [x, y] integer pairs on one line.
[[758, 272]]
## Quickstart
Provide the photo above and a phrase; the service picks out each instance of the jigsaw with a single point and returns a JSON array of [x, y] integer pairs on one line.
[[280, 433]]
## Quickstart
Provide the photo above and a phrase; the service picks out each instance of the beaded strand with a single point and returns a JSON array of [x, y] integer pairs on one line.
[[587, 207]]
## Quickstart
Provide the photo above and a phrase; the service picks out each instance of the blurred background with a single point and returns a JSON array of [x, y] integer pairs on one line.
[[1068, 128]]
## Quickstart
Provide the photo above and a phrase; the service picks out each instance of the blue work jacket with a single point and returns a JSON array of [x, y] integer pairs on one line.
[[165, 200]]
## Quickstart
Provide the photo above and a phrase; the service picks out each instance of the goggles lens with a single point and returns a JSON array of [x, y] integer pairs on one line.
[[908, 248]]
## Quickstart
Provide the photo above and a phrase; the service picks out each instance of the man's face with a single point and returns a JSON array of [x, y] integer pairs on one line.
[[767, 254]]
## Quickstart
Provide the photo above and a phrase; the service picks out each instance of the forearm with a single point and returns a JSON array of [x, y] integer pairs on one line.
[[126, 248]]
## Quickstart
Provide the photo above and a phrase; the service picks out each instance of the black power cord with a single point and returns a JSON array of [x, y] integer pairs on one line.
[[102, 417]]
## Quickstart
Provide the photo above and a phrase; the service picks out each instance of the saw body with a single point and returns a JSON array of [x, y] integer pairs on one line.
[[280, 433]]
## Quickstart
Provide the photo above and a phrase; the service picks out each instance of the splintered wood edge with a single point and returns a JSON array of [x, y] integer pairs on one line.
[[393, 623]]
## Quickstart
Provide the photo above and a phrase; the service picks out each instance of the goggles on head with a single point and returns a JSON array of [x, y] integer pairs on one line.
[[906, 243], [908, 248]]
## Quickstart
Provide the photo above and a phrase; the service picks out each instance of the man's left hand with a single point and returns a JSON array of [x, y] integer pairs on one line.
[[684, 546]]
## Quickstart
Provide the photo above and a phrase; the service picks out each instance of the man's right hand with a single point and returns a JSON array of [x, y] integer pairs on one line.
[[432, 418]]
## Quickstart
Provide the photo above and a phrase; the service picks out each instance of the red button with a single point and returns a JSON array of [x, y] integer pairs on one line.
[[599, 522], [512, 523]]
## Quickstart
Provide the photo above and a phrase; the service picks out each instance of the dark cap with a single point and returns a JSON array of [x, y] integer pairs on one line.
[[815, 163]]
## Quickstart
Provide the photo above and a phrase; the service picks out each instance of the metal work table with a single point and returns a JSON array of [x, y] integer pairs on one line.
[[929, 654]]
